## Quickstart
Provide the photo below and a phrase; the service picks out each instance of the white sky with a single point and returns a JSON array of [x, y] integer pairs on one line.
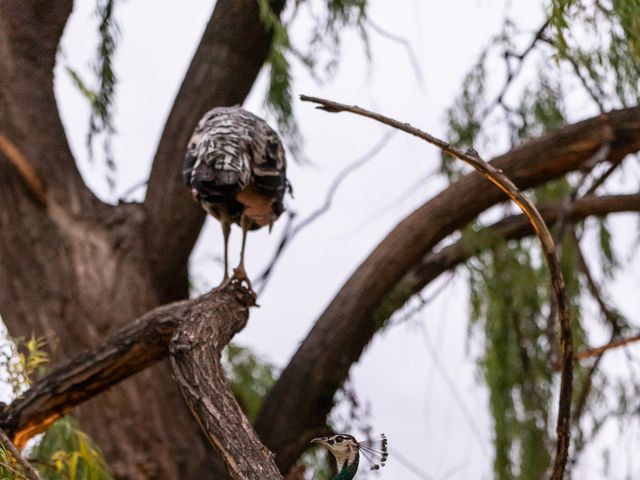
[[441, 432]]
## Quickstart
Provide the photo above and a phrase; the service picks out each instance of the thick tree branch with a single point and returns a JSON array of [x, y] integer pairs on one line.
[[515, 227], [125, 353], [498, 178], [195, 360], [303, 396], [230, 55]]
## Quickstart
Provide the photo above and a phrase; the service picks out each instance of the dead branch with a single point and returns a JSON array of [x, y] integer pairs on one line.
[[292, 230], [413, 58], [499, 179], [612, 317], [31, 472], [511, 73]]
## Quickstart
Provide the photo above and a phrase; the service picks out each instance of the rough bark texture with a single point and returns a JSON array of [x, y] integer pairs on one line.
[[195, 359], [71, 268], [125, 353], [290, 417]]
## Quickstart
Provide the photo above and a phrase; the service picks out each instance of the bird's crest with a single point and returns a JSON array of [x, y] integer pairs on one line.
[[375, 451]]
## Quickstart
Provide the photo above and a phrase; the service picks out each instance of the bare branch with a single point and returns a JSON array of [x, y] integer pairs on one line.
[[31, 472], [513, 74], [413, 58], [594, 352], [548, 246], [612, 317], [296, 407]]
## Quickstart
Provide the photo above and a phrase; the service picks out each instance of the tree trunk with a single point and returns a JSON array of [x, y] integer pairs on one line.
[[72, 268]]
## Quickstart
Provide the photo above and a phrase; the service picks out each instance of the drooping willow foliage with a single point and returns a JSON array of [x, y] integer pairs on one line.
[[100, 92], [586, 51], [320, 55]]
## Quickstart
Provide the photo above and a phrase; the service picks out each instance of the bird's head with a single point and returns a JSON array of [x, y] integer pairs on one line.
[[346, 449]]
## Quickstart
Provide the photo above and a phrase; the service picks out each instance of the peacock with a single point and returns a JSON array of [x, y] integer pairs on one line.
[[346, 449], [235, 166]]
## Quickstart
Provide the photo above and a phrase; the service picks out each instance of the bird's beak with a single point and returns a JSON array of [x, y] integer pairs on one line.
[[318, 440]]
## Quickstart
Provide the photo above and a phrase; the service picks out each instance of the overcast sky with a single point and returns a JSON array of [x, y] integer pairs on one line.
[[445, 431]]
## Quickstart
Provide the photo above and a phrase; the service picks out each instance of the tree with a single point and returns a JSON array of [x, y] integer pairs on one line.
[[99, 279]]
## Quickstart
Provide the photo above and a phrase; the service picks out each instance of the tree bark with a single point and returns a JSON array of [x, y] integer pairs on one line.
[[195, 359]]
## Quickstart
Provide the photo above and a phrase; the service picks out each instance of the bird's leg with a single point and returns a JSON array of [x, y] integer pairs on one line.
[[239, 273], [226, 229]]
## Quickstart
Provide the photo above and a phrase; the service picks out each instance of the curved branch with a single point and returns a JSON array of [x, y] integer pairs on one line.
[[231, 53], [512, 228], [595, 352], [498, 178], [303, 396]]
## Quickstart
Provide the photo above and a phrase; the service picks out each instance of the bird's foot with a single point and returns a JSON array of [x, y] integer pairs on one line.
[[241, 278]]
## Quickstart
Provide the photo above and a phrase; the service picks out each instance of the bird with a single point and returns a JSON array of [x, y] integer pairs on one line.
[[235, 166], [346, 450]]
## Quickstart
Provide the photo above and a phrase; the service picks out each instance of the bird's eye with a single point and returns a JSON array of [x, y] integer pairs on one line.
[[339, 439]]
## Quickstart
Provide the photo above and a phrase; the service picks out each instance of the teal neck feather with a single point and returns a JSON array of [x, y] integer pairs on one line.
[[348, 470]]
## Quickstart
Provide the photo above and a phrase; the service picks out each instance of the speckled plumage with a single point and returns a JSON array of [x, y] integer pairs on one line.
[[233, 151], [235, 166]]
